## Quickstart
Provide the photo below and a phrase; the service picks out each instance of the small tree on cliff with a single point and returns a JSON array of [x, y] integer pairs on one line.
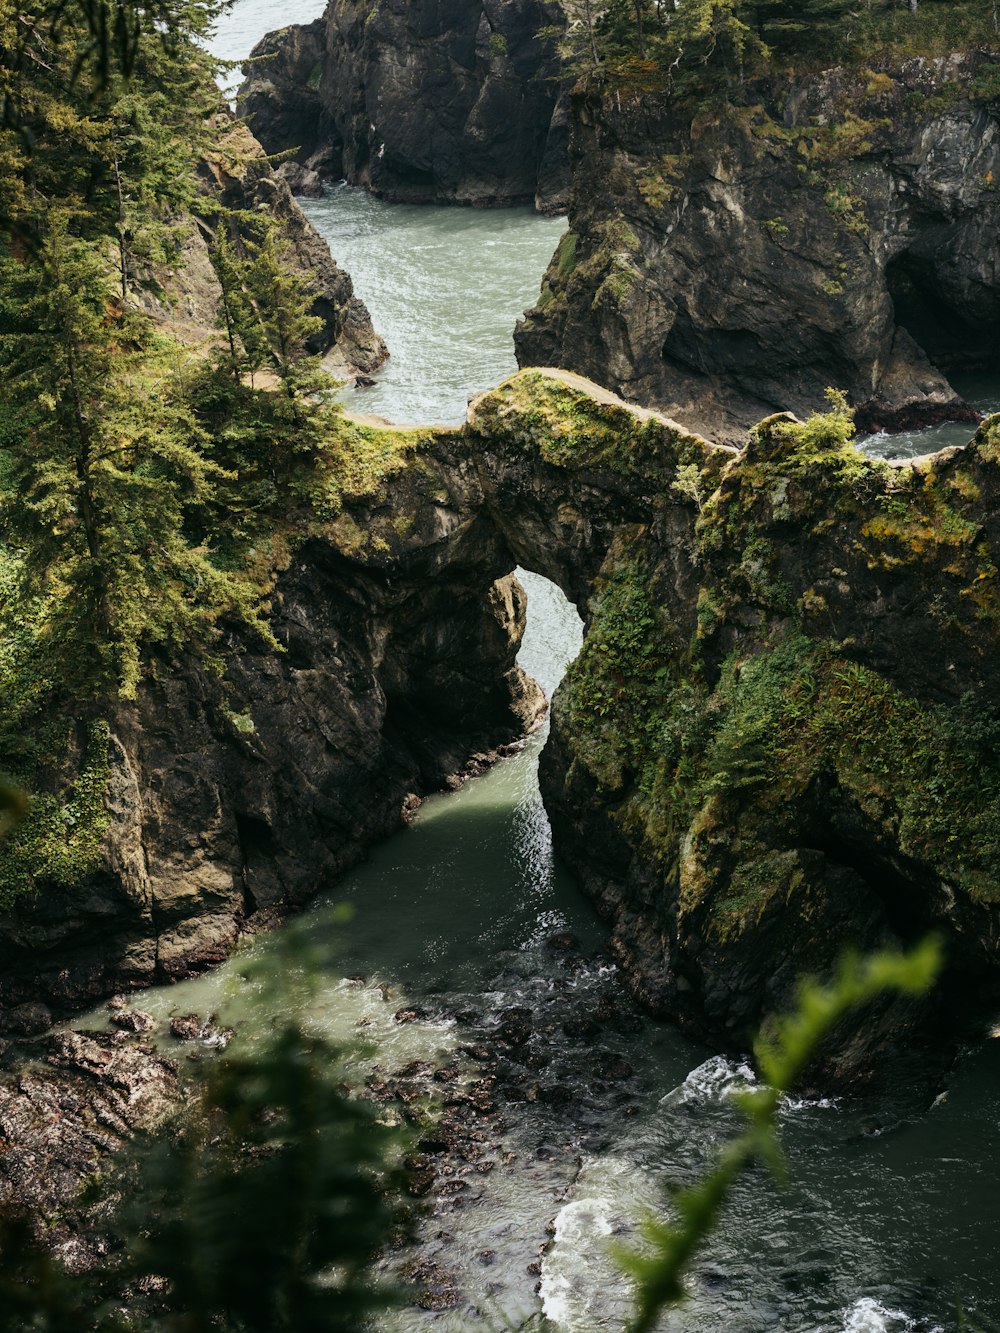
[[104, 467]]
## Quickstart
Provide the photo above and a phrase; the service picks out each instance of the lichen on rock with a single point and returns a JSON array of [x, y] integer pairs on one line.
[[728, 261]]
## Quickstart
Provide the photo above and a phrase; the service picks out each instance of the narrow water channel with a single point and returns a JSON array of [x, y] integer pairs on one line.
[[888, 1226]]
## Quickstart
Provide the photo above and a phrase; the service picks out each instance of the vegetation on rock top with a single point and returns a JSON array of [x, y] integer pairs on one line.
[[148, 491]]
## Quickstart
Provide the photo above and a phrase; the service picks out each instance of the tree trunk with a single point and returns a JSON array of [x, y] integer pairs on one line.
[[639, 28]]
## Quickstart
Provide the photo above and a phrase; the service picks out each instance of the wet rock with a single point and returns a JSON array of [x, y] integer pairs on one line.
[[533, 1060], [433, 1299], [581, 1029], [186, 1027], [564, 941], [555, 1094], [26, 1020], [487, 1258], [515, 1026], [432, 1146], [133, 1020], [450, 1188], [410, 1014], [480, 1052], [415, 1069], [610, 1067], [420, 1183], [62, 1123], [436, 1289]]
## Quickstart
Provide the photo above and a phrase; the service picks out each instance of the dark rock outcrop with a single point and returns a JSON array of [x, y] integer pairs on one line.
[[61, 1121], [779, 739], [841, 232], [231, 800], [424, 102]]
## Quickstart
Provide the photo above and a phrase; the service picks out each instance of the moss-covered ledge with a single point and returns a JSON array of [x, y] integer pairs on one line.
[[798, 750]]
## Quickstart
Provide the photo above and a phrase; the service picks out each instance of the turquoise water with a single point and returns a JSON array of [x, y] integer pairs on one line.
[[445, 287]]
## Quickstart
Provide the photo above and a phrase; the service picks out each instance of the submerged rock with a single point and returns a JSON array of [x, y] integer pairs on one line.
[[133, 1020], [455, 102], [839, 230]]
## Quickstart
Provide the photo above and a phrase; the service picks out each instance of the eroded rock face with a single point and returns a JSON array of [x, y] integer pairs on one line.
[[454, 102], [237, 174], [231, 800], [842, 232], [780, 740]]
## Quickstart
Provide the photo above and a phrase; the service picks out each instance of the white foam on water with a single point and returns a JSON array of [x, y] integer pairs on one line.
[[578, 1225], [809, 1103], [870, 1316], [583, 1287], [714, 1081]]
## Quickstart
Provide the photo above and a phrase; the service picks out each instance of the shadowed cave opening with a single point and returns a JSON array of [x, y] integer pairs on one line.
[[956, 332]]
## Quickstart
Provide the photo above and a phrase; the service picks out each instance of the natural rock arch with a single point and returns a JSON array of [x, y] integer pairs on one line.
[[786, 690]]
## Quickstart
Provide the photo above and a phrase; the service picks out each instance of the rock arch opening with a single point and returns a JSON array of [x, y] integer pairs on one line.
[[553, 634]]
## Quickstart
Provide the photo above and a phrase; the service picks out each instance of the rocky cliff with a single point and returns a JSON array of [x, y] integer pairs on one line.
[[228, 800], [839, 230], [455, 102], [780, 738], [237, 175]]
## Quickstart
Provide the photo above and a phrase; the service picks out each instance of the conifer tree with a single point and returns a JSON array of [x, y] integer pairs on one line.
[[105, 467]]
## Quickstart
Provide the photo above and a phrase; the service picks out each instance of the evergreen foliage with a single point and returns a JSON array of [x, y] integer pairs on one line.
[[137, 479], [705, 49], [261, 1212]]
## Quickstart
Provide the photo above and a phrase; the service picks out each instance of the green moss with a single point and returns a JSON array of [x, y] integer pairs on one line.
[[846, 209], [59, 841], [357, 459], [571, 427], [498, 46], [660, 184], [565, 257], [615, 691]]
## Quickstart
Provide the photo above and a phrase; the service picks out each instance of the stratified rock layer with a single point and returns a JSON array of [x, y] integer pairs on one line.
[[454, 102], [841, 232]]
